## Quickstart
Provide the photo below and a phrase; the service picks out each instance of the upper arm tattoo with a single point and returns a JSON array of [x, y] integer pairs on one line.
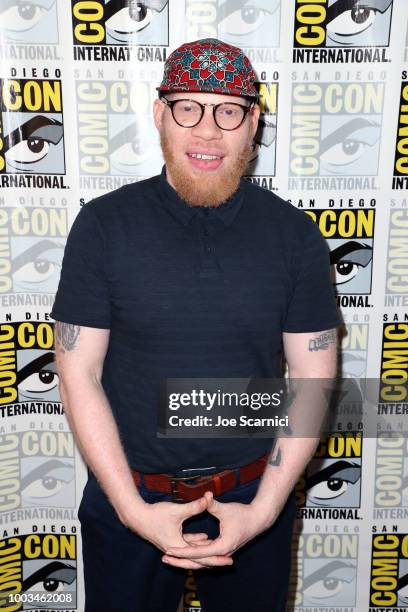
[[322, 341], [66, 335]]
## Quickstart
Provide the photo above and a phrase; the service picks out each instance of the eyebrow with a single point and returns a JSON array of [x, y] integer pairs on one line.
[[124, 136], [42, 470], [117, 5], [67, 574], [230, 7], [325, 570], [35, 366], [266, 132], [42, 127], [345, 249], [343, 131], [332, 470], [32, 253], [344, 5], [402, 582]]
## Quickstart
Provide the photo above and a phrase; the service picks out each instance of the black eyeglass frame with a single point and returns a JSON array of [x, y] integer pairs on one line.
[[171, 103]]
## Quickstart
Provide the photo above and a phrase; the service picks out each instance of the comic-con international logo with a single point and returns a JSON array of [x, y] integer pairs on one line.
[[31, 133], [32, 243], [391, 476], [38, 572], [341, 31], [262, 166], [389, 572], [116, 133], [350, 236], [249, 24], [400, 179], [326, 571], [28, 381], [393, 390], [107, 29], [331, 485], [29, 29], [335, 135], [38, 471], [396, 285]]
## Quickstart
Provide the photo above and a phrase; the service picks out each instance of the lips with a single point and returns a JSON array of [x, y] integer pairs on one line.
[[205, 160]]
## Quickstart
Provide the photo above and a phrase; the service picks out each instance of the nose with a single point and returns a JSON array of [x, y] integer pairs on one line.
[[207, 129]]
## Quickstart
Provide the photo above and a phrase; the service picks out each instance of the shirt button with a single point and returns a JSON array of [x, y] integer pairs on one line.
[[206, 211], [206, 232]]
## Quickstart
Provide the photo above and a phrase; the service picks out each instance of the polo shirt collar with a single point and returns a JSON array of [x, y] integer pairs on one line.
[[225, 212]]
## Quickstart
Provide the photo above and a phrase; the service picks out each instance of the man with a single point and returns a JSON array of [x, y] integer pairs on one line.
[[195, 274]]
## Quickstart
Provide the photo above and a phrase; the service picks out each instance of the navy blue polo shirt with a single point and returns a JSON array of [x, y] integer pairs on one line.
[[191, 292]]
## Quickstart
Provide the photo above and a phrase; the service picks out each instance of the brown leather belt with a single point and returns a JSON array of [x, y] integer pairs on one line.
[[219, 483]]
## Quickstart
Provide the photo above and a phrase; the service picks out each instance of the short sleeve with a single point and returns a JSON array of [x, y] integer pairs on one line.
[[312, 305], [82, 296]]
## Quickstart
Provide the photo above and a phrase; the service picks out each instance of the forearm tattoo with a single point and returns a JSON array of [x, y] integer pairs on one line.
[[323, 340], [66, 335], [275, 456]]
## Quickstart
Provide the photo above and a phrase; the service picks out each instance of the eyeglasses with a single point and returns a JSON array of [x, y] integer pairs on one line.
[[188, 113]]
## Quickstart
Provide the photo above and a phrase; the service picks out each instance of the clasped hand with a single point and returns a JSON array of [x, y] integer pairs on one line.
[[162, 525]]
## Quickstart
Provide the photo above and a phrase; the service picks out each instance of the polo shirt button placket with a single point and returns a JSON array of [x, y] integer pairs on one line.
[[208, 265]]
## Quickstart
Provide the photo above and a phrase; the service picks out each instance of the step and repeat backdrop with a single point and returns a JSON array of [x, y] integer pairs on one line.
[[77, 83]]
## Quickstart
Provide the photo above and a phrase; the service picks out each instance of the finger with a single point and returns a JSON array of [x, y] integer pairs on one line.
[[184, 563], [213, 506], [217, 547], [191, 508], [195, 537], [215, 561], [202, 542]]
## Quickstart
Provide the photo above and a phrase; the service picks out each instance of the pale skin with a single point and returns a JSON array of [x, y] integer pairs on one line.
[[80, 354]]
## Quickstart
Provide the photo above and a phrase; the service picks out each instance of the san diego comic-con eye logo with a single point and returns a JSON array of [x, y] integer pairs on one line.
[[389, 571], [116, 134], [33, 241], [120, 22], [335, 132], [325, 567], [31, 132], [333, 477], [341, 30], [244, 23], [350, 236], [28, 22], [29, 375], [36, 565], [40, 470]]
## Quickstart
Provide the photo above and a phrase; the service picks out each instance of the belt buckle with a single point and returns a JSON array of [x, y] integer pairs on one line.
[[174, 490]]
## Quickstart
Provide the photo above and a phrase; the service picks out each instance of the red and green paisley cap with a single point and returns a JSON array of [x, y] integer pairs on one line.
[[209, 65]]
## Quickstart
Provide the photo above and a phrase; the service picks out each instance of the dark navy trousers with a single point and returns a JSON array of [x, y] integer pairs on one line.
[[124, 573]]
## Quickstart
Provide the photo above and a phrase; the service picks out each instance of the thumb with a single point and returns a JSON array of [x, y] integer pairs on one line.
[[213, 506], [195, 507]]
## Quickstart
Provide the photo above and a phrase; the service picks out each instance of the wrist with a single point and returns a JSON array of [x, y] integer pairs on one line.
[[130, 513], [265, 512]]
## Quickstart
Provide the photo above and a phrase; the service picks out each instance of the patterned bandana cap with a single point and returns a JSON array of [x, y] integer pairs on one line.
[[209, 65]]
